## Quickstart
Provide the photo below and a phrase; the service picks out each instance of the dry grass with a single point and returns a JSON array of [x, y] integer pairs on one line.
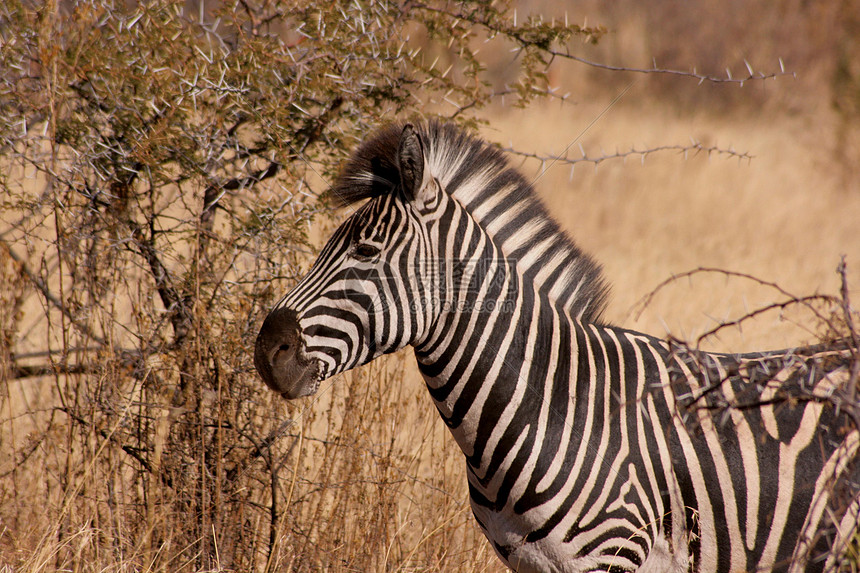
[[785, 216], [363, 477]]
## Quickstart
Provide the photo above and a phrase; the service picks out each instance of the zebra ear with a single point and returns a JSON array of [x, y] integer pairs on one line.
[[410, 161]]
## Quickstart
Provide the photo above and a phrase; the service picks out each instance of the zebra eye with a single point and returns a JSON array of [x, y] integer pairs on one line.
[[365, 252]]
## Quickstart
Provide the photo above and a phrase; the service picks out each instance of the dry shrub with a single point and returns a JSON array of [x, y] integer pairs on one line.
[[159, 168]]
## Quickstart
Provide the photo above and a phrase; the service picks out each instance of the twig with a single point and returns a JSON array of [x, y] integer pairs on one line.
[[854, 378], [43, 288], [689, 74], [20, 372], [646, 300], [695, 148], [805, 300], [516, 34], [846, 302]]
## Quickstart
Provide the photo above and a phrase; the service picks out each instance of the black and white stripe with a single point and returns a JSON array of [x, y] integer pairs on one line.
[[588, 447]]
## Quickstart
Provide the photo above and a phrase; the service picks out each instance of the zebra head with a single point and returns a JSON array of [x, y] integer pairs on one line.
[[373, 289]]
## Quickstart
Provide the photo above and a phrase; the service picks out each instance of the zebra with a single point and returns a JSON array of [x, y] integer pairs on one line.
[[588, 447]]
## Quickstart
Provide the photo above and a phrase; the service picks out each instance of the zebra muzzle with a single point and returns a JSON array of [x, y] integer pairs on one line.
[[279, 359]]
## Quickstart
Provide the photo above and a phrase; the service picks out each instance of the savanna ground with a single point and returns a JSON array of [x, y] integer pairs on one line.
[[363, 477]]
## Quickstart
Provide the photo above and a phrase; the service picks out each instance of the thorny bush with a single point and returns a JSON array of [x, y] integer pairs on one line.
[[160, 164]]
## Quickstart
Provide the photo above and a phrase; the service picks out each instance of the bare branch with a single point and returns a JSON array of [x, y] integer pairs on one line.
[[848, 315], [49, 296], [646, 300], [695, 148], [693, 74], [520, 35], [803, 300]]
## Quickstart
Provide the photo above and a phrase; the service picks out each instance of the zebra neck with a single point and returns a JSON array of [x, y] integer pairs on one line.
[[479, 368]]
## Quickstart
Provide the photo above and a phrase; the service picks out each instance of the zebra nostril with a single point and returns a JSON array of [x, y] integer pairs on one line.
[[282, 356]]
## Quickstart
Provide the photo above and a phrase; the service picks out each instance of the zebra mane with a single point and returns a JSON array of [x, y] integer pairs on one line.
[[500, 199]]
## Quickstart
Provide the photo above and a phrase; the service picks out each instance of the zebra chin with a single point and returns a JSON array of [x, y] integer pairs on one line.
[[279, 357]]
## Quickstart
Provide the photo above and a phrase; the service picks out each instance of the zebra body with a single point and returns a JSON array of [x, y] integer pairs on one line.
[[588, 447]]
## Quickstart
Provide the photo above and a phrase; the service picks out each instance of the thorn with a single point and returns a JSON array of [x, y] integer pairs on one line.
[[749, 68], [781, 66], [729, 73]]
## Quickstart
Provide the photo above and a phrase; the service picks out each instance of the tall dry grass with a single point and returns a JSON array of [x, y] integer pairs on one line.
[[97, 473], [785, 215], [96, 478]]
